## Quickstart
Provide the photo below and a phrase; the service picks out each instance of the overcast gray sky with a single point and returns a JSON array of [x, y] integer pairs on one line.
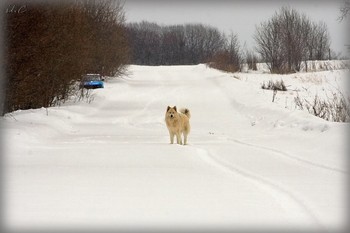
[[239, 16]]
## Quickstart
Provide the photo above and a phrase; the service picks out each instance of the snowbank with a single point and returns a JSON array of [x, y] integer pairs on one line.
[[310, 66]]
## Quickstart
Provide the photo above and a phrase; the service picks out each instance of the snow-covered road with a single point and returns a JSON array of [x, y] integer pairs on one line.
[[108, 164]]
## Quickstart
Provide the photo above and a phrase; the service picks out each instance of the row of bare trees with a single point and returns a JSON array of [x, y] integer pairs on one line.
[[49, 46], [283, 42], [289, 38], [152, 44]]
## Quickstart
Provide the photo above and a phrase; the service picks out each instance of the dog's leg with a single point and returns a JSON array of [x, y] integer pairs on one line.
[[179, 139], [171, 137], [185, 139]]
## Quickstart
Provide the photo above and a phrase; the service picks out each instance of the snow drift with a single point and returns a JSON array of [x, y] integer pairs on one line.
[[250, 164]]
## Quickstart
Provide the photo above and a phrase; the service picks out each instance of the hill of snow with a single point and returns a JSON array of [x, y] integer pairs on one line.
[[250, 164]]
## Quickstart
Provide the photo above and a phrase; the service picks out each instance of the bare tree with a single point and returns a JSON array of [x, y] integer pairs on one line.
[[214, 41], [289, 38], [269, 44], [194, 35], [107, 42], [229, 58], [145, 41], [344, 10], [322, 41]]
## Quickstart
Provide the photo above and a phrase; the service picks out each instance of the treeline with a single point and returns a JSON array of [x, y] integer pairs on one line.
[[152, 44], [283, 42], [49, 46], [289, 38]]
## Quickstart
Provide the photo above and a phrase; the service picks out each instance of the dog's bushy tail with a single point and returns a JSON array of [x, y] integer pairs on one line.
[[186, 111]]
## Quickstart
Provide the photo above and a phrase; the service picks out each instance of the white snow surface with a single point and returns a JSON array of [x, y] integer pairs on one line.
[[250, 164]]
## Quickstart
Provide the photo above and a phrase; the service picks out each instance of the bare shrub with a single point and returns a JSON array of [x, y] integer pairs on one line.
[[49, 46], [230, 57], [82, 94], [222, 61], [335, 108], [276, 86]]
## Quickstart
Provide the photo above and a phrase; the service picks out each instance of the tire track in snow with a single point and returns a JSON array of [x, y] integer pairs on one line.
[[278, 189], [285, 154]]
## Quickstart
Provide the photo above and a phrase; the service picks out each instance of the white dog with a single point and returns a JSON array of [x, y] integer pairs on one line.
[[178, 123]]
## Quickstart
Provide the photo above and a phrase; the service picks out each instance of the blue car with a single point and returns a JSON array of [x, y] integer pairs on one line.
[[92, 81]]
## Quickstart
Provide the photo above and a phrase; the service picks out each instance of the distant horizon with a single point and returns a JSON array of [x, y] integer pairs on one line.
[[240, 17]]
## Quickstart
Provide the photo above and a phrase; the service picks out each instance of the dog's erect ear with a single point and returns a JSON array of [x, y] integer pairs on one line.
[[168, 108], [175, 108]]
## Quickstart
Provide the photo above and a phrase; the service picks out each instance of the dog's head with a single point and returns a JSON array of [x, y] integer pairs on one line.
[[171, 112]]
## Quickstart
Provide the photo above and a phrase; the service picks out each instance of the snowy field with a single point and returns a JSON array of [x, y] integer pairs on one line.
[[250, 164]]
